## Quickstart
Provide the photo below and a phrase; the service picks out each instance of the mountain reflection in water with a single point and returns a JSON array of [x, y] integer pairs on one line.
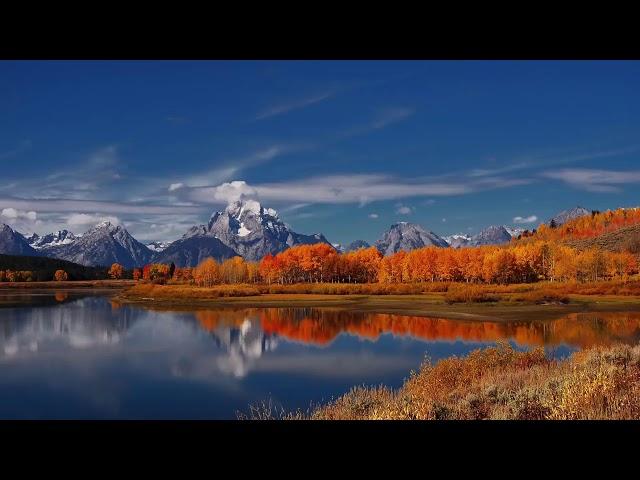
[[91, 358]]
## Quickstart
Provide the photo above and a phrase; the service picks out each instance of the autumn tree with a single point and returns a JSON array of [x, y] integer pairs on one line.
[[60, 276], [207, 273], [137, 274], [233, 270], [116, 271]]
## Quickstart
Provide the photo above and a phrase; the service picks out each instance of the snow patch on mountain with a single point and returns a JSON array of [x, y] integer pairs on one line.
[[158, 246], [243, 231], [61, 237], [243, 228]]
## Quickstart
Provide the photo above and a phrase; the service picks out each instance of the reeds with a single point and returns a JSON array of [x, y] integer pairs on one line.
[[500, 383]]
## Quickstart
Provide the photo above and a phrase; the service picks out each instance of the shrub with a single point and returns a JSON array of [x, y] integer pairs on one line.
[[468, 294], [501, 383]]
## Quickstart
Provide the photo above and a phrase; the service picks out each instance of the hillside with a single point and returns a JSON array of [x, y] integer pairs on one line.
[[623, 239], [44, 268]]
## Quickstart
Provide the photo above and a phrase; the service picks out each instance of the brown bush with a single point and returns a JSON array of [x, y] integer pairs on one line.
[[501, 383], [541, 297], [172, 292], [463, 293]]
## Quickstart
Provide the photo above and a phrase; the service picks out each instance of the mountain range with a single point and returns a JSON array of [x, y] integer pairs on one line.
[[407, 236], [243, 228], [493, 235], [102, 244]]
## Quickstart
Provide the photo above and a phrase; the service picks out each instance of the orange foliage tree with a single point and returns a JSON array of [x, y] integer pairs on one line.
[[60, 276], [116, 271], [137, 274], [207, 273]]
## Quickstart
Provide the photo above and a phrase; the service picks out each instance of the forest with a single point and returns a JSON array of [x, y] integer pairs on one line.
[[539, 255], [17, 268]]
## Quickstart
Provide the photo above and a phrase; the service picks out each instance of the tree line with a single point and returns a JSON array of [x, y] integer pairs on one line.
[[515, 262]]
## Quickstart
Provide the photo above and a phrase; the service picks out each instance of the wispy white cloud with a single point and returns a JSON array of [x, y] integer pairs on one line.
[[340, 189], [286, 107], [382, 119], [20, 220], [595, 180], [553, 158], [12, 213], [529, 219], [391, 115], [99, 170], [403, 209], [373, 215], [227, 169], [84, 219], [233, 191], [72, 205]]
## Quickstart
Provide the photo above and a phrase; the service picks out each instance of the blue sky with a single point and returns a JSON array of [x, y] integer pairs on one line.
[[344, 148]]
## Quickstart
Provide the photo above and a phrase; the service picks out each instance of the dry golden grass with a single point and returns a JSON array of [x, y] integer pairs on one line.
[[181, 291], [496, 383], [356, 288], [465, 293], [168, 292], [69, 284], [435, 293]]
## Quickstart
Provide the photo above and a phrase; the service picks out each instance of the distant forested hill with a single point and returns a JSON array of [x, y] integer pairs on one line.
[[43, 268]]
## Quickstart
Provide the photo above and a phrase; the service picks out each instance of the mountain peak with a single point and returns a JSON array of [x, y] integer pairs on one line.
[[104, 224], [61, 237], [240, 208], [407, 236], [243, 228], [570, 214], [237, 208], [13, 243]]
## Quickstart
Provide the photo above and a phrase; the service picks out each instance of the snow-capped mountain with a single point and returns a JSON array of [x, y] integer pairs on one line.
[[13, 243], [514, 231], [339, 247], [191, 249], [61, 237], [103, 245], [158, 246], [407, 236], [457, 240], [244, 228], [493, 235], [245, 345], [567, 215], [356, 245]]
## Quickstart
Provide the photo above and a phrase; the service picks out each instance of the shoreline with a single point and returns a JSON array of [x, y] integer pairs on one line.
[[67, 285], [426, 305]]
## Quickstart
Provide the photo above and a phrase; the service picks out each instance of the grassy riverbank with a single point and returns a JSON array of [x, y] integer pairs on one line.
[[68, 285], [504, 305], [496, 383]]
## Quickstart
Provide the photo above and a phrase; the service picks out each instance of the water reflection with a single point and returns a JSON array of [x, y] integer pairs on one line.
[[246, 334], [576, 329], [92, 358]]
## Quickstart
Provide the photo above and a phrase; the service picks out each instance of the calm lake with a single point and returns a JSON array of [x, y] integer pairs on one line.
[[65, 355]]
